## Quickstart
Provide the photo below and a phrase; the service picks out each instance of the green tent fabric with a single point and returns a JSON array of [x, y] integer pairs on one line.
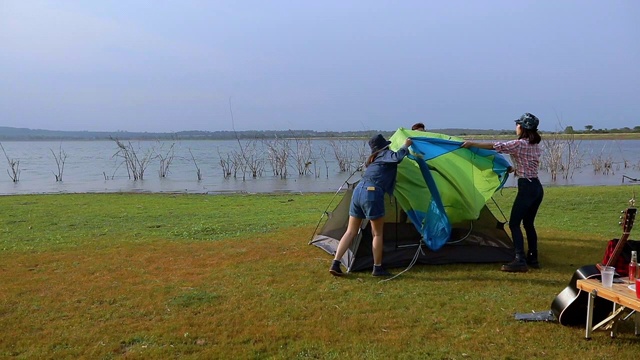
[[441, 183]]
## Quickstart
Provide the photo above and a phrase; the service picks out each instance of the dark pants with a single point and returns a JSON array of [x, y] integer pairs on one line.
[[524, 210]]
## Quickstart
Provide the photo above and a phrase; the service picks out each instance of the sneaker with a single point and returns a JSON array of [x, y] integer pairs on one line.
[[517, 265], [380, 271], [335, 268]]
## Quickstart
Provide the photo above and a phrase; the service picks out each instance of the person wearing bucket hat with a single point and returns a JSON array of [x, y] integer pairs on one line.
[[525, 151], [367, 200], [378, 143]]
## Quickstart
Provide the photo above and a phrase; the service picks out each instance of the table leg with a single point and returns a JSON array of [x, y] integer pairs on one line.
[[614, 326], [592, 297]]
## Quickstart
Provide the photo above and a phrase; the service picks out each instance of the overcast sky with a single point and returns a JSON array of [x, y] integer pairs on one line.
[[321, 65]]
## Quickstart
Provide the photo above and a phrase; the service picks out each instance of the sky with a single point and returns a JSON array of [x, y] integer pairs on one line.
[[165, 66]]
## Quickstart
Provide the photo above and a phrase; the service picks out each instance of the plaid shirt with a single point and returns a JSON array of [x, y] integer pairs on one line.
[[526, 156]]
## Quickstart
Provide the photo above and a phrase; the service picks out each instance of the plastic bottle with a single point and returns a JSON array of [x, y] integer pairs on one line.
[[633, 267]]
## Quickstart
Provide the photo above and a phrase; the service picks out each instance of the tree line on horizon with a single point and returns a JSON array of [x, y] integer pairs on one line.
[[12, 133], [589, 129]]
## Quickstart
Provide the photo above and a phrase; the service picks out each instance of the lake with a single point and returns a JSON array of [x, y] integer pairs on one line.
[[92, 166]]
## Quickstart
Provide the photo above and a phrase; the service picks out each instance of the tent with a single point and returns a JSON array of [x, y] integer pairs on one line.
[[438, 212]]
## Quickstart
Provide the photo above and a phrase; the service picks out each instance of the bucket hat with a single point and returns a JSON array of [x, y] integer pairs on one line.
[[378, 142]]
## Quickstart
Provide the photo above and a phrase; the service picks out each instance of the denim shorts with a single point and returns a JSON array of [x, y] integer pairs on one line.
[[367, 201]]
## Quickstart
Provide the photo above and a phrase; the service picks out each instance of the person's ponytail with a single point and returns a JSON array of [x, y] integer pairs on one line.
[[371, 158]]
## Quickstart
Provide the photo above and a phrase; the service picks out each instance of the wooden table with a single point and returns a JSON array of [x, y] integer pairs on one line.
[[623, 299]]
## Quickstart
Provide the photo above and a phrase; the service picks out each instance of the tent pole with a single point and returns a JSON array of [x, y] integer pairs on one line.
[[346, 182]]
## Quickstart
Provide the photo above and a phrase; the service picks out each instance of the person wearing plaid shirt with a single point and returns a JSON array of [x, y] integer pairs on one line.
[[525, 152]]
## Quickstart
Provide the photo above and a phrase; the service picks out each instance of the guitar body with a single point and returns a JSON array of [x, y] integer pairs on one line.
[[570, 306]]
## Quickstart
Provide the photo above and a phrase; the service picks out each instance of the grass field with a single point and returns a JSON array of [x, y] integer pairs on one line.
[[158, 276]]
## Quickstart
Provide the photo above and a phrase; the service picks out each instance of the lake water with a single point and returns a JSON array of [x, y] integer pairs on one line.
[[91, 166]]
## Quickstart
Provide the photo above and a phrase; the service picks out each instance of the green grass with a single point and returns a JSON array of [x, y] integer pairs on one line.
[[106, 276], [46, 222]]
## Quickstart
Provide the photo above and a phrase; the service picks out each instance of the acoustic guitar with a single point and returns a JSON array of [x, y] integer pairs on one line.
[[570, 306]]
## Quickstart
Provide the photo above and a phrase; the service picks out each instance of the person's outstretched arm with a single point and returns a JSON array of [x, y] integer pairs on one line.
[[481, 145]]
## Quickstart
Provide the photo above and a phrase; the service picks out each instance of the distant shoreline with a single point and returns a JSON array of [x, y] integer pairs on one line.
[[24, 134], [545, 136]]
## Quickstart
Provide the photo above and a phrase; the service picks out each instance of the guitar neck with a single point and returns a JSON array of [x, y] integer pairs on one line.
[[618, 249], [627, 224]]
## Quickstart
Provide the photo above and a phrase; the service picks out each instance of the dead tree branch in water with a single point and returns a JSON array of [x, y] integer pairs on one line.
[[302, 155], [14, 165], [561, 154], [136, 165], [602, 164], [239, 159], [323, 156], [362, 152], [226, 164], [165, 160], [278, 155], [61, 158], [345, 153], [254, 159], [341, 154], [198, 173]]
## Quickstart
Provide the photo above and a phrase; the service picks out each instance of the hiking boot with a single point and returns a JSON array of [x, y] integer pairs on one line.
[[532, 260], [378, 270], [517, 265], [335, 268]]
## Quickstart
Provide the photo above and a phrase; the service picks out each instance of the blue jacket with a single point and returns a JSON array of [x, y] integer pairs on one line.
[[382, 171]]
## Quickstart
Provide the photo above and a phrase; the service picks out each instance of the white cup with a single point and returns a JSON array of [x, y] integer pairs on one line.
[[607, 276]]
